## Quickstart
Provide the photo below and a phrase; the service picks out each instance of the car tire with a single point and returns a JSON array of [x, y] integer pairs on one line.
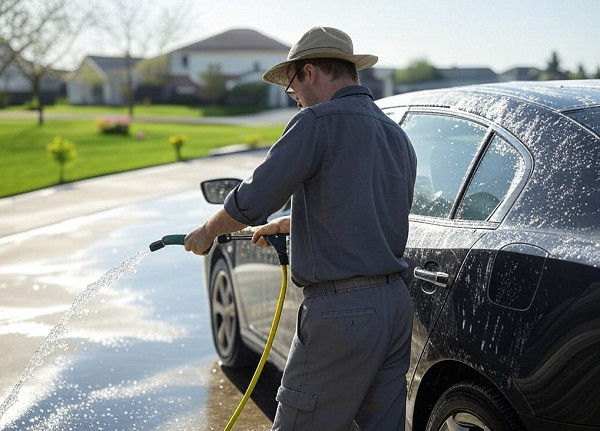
[[473, 406], [228, 342]]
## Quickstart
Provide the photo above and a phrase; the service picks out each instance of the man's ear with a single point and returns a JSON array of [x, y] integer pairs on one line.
[[310, 72]]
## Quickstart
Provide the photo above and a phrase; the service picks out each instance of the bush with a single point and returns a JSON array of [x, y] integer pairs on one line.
[[114, 126], [5, 99], [62, 151], [251, 94], [252, 140]]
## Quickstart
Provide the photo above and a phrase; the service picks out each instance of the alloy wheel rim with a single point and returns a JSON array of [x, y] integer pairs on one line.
[[224, 315], [463, 421]]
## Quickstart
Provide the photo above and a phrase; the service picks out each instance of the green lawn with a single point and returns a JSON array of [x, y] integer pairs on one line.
[[25, 165], [142, 110]]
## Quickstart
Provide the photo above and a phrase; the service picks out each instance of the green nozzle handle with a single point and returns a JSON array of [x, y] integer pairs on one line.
[[177, 239]]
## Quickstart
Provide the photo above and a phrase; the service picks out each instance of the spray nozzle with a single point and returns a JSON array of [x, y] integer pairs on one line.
[[278, 241], [177, 239]]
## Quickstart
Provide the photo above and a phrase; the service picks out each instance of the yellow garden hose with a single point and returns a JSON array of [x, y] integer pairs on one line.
[[278, 241], [265, 354]]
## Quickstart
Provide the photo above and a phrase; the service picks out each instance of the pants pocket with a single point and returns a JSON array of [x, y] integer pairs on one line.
[[347, 313], [294, 410], [300, 318], [296, 399]]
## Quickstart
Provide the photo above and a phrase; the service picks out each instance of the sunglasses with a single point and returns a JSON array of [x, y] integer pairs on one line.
[[289, 92]]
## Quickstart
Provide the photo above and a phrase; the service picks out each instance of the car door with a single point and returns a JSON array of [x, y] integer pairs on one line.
[[258, 275], [446, 148], [467, 175]]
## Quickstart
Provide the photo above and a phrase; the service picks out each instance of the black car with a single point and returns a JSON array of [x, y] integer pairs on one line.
[[504, 250]]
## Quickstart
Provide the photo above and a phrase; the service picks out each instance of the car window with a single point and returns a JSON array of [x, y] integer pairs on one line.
[[589, 117], [445, 148], [396, 113], [500, 170]]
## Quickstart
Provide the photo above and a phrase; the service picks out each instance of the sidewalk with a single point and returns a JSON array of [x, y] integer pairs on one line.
[[55, 204]]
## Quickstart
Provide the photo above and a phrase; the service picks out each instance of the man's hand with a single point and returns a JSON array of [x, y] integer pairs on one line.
[[279, 225], [199, 241]]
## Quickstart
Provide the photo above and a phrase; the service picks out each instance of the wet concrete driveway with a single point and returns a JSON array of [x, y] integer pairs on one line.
[[139, 354]]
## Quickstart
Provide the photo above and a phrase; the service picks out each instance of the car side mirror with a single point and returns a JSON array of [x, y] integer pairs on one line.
[[215, 191]]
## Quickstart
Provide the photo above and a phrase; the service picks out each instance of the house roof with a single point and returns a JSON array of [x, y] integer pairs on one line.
[[107, 64], [237, 40], [476, 73], [521, 74]]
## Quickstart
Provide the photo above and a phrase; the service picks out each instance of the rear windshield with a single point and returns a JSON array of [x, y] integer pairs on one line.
[[588, 117]]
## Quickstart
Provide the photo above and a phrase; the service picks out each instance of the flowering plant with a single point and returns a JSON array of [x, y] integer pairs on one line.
[[177, 142], [252, 140], [117, 125]]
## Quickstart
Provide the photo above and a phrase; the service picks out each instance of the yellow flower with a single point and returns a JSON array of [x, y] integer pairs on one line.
[[177, 140]]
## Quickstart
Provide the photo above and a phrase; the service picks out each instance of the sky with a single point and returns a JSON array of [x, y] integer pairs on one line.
[[499, 34]]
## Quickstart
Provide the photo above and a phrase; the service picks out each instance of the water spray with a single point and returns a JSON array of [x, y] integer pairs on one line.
[[279, 242]]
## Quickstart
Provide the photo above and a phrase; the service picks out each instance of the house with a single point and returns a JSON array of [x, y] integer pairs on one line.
[[379, 80], [99, 81], [15, 88], [521, 74], [239, 56], [235, 57], [203, 72], [453, 77]]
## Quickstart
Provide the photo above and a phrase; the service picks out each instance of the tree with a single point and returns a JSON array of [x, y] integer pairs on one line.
[[553, 71], [580, 74], [13, 39], [153, 71], [214, 83], [44, 32], [417, 71], [137, 27], [152, 76], [553, 64]]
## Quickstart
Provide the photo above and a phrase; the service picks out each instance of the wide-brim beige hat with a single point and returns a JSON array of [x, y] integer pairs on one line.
[[319, 42]]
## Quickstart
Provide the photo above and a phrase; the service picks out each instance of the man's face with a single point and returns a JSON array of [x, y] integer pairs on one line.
[[302, 91]]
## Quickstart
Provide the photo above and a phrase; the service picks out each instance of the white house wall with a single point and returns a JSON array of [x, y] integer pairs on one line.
[[12, 81], [80, 88], [79, 93], [230, 63], [113, 90]]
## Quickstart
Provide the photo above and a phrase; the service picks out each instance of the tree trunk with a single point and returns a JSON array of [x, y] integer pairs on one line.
[[36, 90], [40, 113], [129, 85]]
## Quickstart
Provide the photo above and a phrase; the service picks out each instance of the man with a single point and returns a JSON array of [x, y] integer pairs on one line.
[[350, 171]]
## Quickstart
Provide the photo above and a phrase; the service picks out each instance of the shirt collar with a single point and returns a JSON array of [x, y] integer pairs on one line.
[[352, 90]]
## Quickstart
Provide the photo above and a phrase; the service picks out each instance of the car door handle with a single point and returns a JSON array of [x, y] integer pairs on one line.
[[437, 278]]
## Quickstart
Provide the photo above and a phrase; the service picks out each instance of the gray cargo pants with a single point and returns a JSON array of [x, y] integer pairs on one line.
[[349, 358]]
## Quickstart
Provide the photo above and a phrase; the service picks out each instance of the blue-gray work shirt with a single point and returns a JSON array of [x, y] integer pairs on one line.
[[350, 171]]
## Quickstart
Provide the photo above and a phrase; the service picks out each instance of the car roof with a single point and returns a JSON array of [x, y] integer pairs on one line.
[[558, 96]]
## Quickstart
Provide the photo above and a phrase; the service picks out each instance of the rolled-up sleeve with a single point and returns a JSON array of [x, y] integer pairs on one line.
[[289, 162]]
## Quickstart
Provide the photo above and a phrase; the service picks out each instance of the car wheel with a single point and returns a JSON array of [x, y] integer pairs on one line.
[[224, 318], [472, 406]]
